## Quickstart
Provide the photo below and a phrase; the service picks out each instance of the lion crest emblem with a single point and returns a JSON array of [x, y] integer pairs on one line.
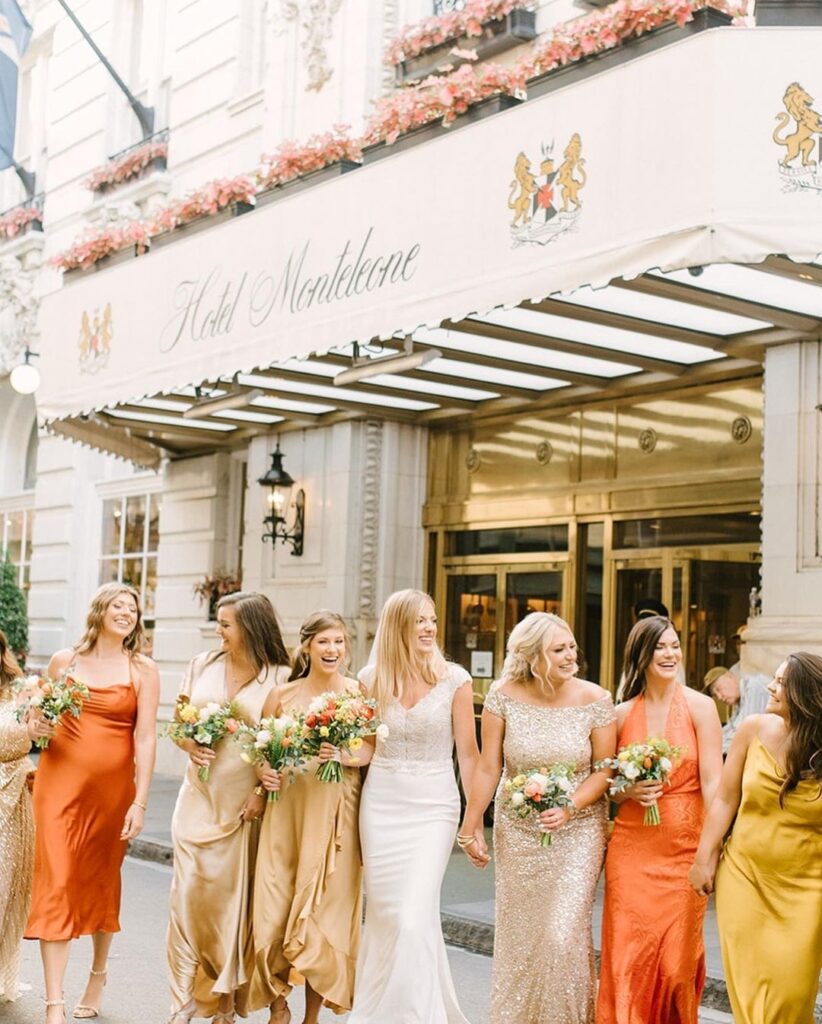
[[799, 131], [546, 202], [94, 344]]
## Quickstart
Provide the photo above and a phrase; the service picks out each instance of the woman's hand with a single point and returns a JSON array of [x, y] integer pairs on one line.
[[253, 808], [477, 851], [39, 728], [133, 825], [645, 793], [271, 780], [551, 820], [199, 756], [701, 876], [328, 752]]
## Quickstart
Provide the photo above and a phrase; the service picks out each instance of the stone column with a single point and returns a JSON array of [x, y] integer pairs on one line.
[[791, 618]]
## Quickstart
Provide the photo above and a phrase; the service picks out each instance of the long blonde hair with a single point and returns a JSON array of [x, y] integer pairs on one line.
[[527, 641], [316, 623], [396, 661], [134, 642], [9, 669]]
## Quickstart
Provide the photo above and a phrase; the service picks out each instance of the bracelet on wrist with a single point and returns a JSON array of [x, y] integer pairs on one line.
[[259, 791], [137, 803], [465, 841]]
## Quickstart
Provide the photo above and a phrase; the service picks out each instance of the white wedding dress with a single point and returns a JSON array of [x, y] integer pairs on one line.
[[408, 819]]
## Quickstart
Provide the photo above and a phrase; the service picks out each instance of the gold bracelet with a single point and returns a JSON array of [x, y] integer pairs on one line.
[[136, 803], [259, 791], [465, 841]]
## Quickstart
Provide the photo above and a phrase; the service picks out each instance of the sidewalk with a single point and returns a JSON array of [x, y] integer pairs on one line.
[[467, 895]]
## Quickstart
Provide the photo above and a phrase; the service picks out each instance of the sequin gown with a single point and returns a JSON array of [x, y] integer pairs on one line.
[[83, 790], [16, 845], [308, 884], [409, 815], [653, 954], [209, 949], [769, 897], [543, 949]]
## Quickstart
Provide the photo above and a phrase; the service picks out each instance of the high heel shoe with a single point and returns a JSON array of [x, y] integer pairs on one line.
[[224, 1017], [55, 1002], [184, 1015], [81, 1010]]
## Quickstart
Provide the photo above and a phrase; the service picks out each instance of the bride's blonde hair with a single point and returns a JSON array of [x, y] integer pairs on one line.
[[397, 662], [527, 641]]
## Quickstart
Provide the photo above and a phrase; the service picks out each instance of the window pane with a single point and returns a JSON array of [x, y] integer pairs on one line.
[[14, 536], [154, 523], [133, 573], [109, 570], [471, 622], [508, 541], [730, 528], [29, 534], [112, 513], [151, 588], [135, 523]]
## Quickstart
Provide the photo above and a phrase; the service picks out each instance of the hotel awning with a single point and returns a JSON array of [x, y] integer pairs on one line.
[[628, 232]]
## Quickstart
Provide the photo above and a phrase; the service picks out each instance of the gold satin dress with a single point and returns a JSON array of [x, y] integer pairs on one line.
[[769, 897], [308, 888], [209, 946], [16, 846], [543, 966]]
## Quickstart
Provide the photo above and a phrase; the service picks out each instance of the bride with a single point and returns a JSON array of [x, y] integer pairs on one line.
[[408, 818]]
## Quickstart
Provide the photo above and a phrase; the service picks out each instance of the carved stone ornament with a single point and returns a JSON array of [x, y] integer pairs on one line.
[[370, 517], [18, 310], [741, 429], [647, 440], [473, 460], [316, 18], [544, 453]]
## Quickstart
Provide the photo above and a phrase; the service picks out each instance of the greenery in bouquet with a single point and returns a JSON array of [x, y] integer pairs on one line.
[[50, 698], [277, 742], [206, 725], [650, 761], [342, 719], [528, 794]]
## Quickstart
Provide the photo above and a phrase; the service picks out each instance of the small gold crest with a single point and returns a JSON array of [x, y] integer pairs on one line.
[[799, 166], [96, 333], [547, 203]]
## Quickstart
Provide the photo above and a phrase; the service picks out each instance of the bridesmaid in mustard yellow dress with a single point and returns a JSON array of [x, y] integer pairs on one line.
[[215, 827], [308, 886], [769, 878]]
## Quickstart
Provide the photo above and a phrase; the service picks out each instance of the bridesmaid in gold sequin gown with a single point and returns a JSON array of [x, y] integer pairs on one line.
[[539, 714], [16, 827]]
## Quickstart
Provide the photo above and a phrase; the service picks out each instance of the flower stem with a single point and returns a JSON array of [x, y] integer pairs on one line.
[[546, 839], [651, 815]]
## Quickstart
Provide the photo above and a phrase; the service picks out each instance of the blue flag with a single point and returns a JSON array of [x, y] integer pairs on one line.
[[15, 33]]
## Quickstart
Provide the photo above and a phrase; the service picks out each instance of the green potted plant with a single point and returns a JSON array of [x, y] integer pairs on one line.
[[13, 617], [215, 585]]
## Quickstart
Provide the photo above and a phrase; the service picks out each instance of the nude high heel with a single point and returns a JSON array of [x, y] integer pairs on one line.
[[82, 1012]]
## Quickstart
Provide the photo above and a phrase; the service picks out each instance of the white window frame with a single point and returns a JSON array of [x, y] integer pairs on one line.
[[19, 503], [121, 490]]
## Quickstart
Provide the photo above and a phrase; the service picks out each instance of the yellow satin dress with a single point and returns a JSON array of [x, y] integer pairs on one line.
[[769, 898], [308, 885]]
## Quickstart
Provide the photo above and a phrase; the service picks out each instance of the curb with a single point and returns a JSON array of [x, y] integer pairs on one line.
[[474, 936]]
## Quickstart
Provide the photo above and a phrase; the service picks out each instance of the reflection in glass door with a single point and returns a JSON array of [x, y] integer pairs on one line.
[[633, 584], [471, 622]]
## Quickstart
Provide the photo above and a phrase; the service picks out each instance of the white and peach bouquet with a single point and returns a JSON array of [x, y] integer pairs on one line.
[[277, 742], [51, 699], [650, 761], [528, 794], [342, 719], [205, 725]]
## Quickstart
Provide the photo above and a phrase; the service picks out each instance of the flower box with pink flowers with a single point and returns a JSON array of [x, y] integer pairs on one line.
[[20, 220]]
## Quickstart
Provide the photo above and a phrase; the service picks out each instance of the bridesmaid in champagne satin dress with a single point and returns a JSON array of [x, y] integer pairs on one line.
[[769, 880], [91, 793], [215, 826], [537, 715], [16, 826], [308, 882], [653, 955]]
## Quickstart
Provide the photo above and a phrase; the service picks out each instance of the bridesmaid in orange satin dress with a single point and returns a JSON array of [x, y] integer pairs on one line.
[[91, 792], [653, 955]]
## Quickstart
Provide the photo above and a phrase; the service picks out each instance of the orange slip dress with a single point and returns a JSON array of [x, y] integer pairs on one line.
[[653, 954], [83, 789]]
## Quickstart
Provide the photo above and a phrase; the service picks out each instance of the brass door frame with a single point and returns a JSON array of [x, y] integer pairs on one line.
[[500, 566]]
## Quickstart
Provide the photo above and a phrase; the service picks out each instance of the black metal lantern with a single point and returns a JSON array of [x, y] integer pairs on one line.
[[280, 484]]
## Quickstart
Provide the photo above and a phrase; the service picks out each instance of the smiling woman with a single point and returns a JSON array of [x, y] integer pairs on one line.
[[92, 783]]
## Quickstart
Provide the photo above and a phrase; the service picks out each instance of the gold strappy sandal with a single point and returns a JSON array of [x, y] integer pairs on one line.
[[82, 1012]]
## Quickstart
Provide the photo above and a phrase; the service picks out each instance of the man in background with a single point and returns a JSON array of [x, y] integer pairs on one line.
[[744, 693]]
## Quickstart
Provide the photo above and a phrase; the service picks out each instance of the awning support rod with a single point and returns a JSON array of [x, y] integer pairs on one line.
[[144, 114]]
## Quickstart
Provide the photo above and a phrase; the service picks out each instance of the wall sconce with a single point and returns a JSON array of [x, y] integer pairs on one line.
[[280, 483], [25, 377]]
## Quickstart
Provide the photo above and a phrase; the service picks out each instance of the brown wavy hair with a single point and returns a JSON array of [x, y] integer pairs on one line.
[[639, 653], [259, 628], [802, 692], [316, 623], [9, 669], [134, 642]]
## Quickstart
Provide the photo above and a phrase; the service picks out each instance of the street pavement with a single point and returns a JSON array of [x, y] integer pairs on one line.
[[136, 992]]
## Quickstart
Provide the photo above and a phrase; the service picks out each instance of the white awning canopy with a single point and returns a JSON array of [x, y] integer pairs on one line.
[[624, 179]]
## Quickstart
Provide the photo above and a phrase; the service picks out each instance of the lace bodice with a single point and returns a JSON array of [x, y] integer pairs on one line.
[[422, 737]]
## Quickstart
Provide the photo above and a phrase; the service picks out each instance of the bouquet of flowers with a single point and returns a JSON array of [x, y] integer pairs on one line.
[[341, 719], [652, 760], [529, 793], [206, 726], [52, 699], [277, 742]]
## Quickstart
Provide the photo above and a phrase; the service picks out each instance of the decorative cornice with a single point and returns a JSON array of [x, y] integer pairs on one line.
[[370, 518], [316, 19], [18, 310]]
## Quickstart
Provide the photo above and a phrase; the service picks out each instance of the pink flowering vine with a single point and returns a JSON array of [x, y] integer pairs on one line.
[[415, 39], [293, 159], [95, 243], [206, 201], [14, 222], [129, 165]]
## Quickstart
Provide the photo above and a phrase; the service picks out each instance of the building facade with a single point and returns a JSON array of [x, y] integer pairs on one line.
[[562, 447]]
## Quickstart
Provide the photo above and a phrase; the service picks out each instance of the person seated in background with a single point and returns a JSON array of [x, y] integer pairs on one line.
[[744, 693], [647, 607]]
